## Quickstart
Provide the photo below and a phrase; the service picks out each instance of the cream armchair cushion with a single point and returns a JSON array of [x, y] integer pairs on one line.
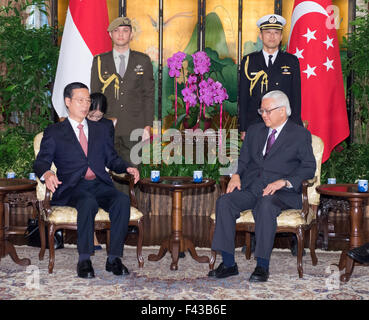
[[287, 218], [68, 215]]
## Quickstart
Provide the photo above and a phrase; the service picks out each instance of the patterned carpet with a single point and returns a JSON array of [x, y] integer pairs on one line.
[[156, 281]]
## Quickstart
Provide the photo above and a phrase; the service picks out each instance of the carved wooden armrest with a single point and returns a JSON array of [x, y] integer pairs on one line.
[[305, 199], [224, 180], [130, 180], [44, 205]]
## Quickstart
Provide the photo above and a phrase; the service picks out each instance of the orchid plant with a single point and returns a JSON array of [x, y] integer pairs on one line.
[[201, 91]]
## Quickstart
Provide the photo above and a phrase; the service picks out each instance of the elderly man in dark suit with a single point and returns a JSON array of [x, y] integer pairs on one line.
[[80, 150], [267, 70], [125, 76], [276, 156]]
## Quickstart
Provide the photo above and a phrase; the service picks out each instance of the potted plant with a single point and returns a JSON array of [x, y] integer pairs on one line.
[[28, 59], [202, 96]]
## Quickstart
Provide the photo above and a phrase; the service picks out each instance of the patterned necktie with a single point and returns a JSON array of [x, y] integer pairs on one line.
[[270, 63], [271, 140], [122, 66], [83, 141]]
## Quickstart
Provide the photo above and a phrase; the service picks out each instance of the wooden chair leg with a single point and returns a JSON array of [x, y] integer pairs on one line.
[[213, 258], [41, 228], [140, 258], [248, 245], [313, 238], [300, 249], [51, 233]]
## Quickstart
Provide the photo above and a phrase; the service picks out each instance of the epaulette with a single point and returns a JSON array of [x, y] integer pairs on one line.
[[102, 54]]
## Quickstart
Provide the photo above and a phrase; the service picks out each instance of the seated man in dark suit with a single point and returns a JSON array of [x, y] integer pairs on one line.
[[276, 156], [80, 150]]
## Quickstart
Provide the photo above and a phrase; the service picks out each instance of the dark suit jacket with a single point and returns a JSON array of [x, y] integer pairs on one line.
[[61, 146], [110, 126], [291, 157], [284, 75], [134, 105]]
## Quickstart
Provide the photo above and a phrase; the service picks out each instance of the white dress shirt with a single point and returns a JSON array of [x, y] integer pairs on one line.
[[266, 56], [75, 124]]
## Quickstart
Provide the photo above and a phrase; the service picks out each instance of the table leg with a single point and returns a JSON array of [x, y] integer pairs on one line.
[[9, 249], [162, 251], [191, 248], [173, 244], [356, 237], [5, 246], [176, 238]]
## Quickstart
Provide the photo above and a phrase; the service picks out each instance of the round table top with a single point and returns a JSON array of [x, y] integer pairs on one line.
[[347, 190], [8, 185], [178, 183]]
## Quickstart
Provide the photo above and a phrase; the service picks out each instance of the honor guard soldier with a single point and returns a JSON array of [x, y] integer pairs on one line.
[[126, 78], [267, 70]]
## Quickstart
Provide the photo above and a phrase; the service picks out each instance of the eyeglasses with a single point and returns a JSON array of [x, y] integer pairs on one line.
[[268, 112], [81, 100]]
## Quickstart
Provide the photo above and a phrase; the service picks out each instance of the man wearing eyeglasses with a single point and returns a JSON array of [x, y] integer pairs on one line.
[[276, 156], [80, 150], [267, 70]]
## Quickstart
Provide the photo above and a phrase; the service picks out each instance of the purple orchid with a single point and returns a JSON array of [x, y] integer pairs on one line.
[[201, 62], [199, 91]]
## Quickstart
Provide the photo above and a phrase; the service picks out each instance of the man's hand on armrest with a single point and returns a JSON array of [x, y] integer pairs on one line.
[[51, 180], [134, 171]]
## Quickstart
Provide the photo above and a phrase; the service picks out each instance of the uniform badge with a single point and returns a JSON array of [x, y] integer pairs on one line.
[[139, 69], [272, 19], [106, 75], [285, 70]]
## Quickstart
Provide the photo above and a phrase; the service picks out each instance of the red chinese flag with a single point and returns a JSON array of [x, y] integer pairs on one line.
[[84, 36], [313, 39]]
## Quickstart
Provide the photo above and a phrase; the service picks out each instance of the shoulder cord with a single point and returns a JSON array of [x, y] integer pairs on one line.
[[254, 80], [109, 80]]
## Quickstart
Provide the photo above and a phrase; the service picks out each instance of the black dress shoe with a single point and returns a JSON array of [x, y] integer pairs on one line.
[[360, 254], [132, 229], [85, 270], [259, 275], [117, 267], [223, 272]]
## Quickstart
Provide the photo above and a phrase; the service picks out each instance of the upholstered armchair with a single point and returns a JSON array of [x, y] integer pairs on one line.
[[295, 221], [64, 217]]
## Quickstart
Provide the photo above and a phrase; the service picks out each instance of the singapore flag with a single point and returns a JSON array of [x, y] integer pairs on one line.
[[313, 40], [85, 35]]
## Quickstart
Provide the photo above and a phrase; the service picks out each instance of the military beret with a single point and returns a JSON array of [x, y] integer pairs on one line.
[[271, 21], [120, 21]]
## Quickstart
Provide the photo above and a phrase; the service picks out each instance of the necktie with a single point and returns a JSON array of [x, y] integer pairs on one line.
[[270, 63], [271, 140], [122, 65], [83, 141]]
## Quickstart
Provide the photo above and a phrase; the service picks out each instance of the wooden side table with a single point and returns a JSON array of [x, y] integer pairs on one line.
[[12, 186], [177, 243], [19, 200], [356, 200]]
